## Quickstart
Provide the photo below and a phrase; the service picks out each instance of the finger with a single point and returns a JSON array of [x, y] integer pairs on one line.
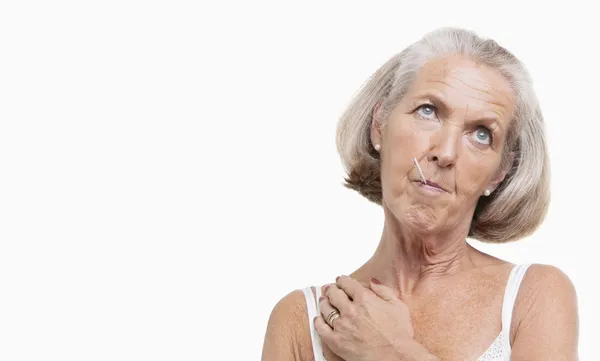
[[323, 330], [350, 286], [325, 307], [338, 299], [384, 292], [327, 335]]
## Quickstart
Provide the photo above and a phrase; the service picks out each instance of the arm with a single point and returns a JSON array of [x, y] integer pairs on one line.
[[547, 322], [287, 330]]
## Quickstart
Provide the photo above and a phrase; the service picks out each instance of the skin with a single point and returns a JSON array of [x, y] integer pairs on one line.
[[439, 298]]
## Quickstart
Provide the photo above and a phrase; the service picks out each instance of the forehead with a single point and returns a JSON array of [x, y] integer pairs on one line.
[[464, 84]]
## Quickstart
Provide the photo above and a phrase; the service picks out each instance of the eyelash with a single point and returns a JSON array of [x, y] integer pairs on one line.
[[428, 105]]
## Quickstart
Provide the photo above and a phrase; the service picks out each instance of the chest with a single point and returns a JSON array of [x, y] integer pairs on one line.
[[458, 321], [459, 325]]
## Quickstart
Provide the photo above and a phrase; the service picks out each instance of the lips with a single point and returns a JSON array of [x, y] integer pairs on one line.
[[432, 184]]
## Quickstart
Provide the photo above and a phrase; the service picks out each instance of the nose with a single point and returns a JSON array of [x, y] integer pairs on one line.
[[444, 146]]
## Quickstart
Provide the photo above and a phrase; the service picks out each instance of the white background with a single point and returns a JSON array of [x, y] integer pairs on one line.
[[168, 169]]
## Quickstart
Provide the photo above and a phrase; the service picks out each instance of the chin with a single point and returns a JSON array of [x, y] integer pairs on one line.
[[419, 217]]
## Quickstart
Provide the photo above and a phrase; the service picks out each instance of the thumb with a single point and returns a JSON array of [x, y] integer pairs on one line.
[[382, 291]]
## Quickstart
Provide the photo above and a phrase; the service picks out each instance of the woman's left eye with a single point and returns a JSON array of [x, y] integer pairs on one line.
[[482, 135]]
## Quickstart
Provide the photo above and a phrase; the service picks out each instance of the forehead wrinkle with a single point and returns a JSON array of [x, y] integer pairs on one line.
[[476, 93], [486, 86], [480, 74]]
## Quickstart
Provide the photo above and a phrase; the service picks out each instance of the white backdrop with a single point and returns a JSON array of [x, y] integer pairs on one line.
[[168, 169]]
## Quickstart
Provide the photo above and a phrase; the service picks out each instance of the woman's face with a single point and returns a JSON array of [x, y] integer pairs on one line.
[[454, 121]]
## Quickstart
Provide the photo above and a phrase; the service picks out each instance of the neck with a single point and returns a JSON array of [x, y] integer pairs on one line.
[[408, 261]]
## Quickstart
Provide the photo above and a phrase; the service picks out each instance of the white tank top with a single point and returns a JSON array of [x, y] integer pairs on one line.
[[499, 350]]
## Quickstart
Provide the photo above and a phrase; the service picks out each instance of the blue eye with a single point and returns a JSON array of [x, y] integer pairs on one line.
[[482, 135], [426, 111]]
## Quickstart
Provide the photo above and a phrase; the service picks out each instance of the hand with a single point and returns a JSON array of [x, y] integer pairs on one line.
[[374, 324]]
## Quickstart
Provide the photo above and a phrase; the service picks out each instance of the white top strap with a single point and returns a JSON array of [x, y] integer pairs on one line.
[[510, 295], [312, 309]]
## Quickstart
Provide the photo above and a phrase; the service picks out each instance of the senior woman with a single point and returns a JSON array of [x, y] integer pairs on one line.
[[448, 138]]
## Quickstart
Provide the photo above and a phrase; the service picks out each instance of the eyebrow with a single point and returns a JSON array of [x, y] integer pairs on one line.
[[439, 102], [434, 98]]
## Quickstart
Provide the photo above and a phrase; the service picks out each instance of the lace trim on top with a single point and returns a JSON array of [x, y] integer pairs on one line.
[[495, 352]]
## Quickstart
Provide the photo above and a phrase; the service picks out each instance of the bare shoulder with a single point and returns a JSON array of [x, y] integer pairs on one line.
[[546, 286], [545, 313], [288, 336], [549, 275]]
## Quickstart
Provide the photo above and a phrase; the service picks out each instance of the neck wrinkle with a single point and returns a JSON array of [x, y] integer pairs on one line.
[[407, 261]]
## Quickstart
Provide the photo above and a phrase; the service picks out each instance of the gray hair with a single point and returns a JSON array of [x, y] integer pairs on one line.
[[520, 203]]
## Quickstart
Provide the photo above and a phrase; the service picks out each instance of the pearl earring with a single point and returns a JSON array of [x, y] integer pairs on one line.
[[487, 192], [377, 147]]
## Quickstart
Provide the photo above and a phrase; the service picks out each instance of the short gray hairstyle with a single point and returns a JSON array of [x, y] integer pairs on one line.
[[520, 203]]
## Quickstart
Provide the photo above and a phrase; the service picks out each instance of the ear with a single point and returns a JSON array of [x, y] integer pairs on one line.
[[502, 172], [376, 124]]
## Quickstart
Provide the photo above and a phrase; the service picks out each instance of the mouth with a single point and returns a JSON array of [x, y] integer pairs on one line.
[[431, 185]]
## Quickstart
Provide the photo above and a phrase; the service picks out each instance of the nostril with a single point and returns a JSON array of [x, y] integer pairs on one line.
[[435, 159]]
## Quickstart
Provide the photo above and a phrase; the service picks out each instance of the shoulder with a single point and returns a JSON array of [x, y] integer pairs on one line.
[[288, 335], [292, 305], [545, 285], [546, 309]]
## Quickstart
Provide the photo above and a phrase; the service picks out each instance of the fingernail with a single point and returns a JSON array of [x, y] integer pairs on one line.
[[337, 278], [375, 281], [321, 298]]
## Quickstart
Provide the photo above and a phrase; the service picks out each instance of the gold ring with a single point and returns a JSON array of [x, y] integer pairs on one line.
[[332, 316]]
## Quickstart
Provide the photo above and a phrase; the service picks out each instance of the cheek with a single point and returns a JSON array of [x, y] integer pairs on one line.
[[403, 142], [474, 172], [406, 137], [394, 172]]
